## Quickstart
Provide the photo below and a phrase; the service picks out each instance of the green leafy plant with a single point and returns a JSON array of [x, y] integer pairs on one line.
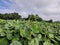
[[18, 32]]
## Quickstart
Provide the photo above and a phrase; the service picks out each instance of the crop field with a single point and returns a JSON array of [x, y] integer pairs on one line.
[[17, 32]]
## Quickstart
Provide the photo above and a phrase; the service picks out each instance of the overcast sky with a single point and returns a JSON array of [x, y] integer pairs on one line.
[[47, 9]]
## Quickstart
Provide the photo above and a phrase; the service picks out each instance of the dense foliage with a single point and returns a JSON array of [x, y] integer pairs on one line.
[[10, 16], [16, 16], [18, 32]]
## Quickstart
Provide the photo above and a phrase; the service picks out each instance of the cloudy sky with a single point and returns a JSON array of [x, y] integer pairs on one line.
[[46, 9]]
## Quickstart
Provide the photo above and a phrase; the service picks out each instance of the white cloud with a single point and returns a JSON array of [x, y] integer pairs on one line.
[[23, 14], [47, 9]]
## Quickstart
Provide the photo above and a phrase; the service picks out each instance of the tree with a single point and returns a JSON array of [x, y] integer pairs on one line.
[[50, 20], [11, 16], [15, 15], [38, 18], [33, 17]]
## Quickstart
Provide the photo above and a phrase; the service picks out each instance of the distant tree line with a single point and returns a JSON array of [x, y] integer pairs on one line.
[[16, 16], [11, 16]]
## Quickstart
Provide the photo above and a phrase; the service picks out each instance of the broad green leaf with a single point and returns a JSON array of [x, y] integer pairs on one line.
[[16, 43], [34, 28], [15, 37], [3, 41], [51, 35], [39, 36], [2, 32], [22, 33], [33, 42], [57, 37], [26, 33], [9, 36], [47, 43]]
